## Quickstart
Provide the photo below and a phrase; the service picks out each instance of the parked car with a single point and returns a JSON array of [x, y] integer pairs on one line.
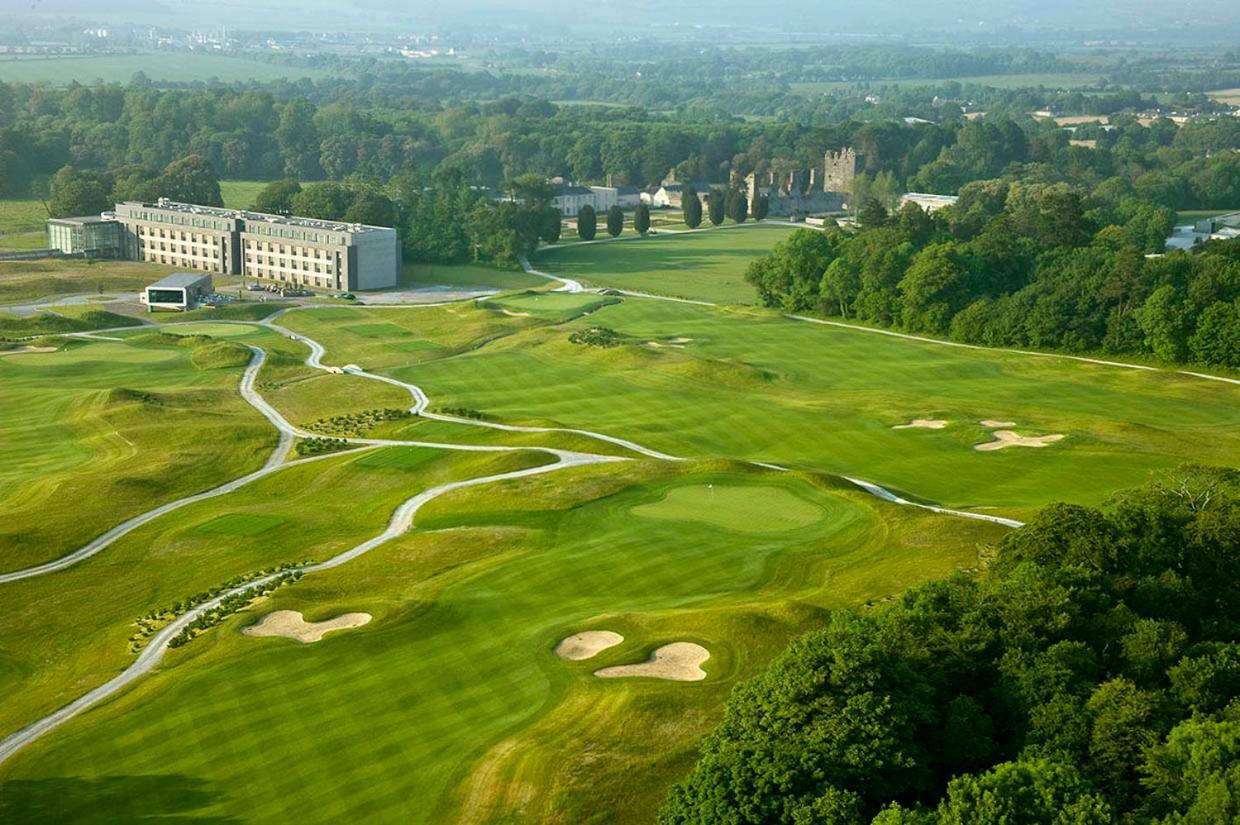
[[348, 296]]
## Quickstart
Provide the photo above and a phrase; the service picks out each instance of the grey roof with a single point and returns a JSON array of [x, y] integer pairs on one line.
[[180, 280], [627, 190], [85, 219], [245, 214], [573, 189]]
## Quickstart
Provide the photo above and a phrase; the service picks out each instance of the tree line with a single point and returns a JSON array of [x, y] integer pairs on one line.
[[1089, 676], [1020, 265], [256, 134]]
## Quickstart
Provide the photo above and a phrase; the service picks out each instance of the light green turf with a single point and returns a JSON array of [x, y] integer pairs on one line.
[[748, 509], [755, 385], [105, 430], [177, 67], [450, 706], [240, 524], [456, 673], [705, 265]]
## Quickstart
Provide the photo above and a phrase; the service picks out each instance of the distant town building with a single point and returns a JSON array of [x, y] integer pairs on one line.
[[306, 252], [178, 291]]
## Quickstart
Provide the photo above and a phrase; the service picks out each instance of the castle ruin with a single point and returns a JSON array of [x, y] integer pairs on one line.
[[797, 192]]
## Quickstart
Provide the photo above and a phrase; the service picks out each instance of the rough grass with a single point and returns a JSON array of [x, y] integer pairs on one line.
[[467, 276], [28, 281]]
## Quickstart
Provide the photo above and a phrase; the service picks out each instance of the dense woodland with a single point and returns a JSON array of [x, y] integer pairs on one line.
[[1024, 265], [1089, 676]]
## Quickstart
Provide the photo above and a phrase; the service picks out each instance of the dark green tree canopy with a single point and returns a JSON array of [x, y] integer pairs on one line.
[[1091, 675], [587, 223]]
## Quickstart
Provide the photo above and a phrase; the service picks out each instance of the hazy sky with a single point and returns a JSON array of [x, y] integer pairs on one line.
[[818, 15]]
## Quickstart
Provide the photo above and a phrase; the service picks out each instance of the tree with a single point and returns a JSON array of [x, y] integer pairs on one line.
[[691, 206], [75, 194], [615, 221], [371, 208], [933, 289], [790, 275], [326, 201], [740, 208], [1216, 342], [587, 223], [1030, 792], [761, 207], [277, 197], [715, 207], [873, 215], [641, 218], [191, 180], [298, 140], [552, 225]]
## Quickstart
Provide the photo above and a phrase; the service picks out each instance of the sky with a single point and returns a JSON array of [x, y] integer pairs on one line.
[[796, 15]]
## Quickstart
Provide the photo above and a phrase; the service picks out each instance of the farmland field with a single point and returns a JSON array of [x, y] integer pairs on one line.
[[998, 81], [683, 476], [171, 67]]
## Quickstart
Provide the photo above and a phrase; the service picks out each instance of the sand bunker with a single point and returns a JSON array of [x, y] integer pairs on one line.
[[1007, 438], [679, 340], [922, 424], [677, 662], [987, 422], [512, 313], [25, 350], [587, 644], [291, 625], [661, 345]]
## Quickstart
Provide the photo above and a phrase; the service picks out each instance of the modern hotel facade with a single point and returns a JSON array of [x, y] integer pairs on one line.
[[304, 252]]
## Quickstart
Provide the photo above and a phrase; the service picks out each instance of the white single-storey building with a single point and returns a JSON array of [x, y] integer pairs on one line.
[[178, 291]]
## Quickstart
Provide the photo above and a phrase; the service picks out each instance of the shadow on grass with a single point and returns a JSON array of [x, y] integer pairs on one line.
[[110, 799]]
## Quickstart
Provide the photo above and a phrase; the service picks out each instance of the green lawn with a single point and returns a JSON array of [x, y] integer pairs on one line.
[[707, 266], [240, 194], [158, 66], [450, 706]]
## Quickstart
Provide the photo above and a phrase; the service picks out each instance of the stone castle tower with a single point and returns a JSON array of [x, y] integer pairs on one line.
[[841, 168]]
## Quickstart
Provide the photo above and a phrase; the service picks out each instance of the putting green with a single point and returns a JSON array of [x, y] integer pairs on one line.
[[213, 330], [748, 509]]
